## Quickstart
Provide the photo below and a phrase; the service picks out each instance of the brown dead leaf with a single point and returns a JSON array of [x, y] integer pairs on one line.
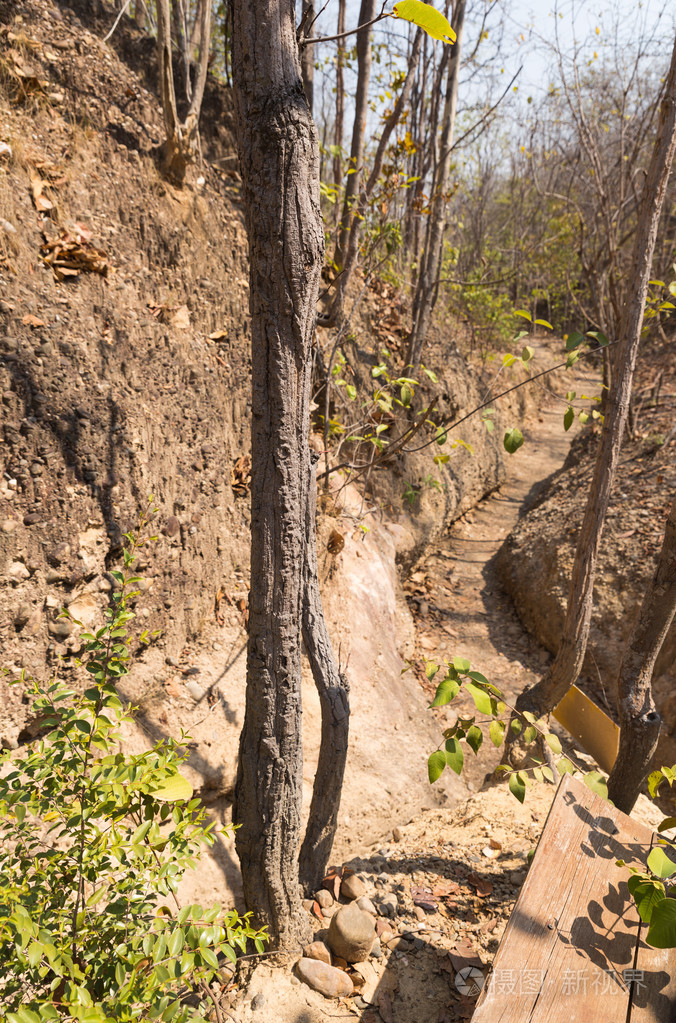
[[462, 954], [240, 475], [317, 910], [70, 254], [423, 897], [218, 335], [441, 891], [483, 886], [38, 185], [32, 321]]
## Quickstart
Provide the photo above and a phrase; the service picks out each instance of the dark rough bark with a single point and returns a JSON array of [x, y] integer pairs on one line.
[[279, 159], [427, 286], [564, 671], [639, 719], [334, 691], [307, 57]]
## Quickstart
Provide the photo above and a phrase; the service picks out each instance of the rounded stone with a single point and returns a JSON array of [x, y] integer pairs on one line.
[[317, 950], [329, 981], [351, 934], [352, 887]]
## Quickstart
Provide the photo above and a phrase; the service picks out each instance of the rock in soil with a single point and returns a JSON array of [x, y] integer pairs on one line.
[[351, 934], [329, 981]]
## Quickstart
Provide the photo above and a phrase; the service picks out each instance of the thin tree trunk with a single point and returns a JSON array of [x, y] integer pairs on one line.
[[334, 691], [361, 201], [180, 145], [140, 13], [352, 184], [427, 286], [307, 57], [565, 669], [639, 720], [340, 104], [279, 160]]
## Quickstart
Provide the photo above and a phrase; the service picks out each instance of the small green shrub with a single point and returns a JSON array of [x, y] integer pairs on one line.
[[93, 844]]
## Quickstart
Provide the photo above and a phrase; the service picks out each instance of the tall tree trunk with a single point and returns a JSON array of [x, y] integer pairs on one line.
[[367, 13], [427, 286], [564, 671], [362, 199], [180, 145], [639, 719], [307, 57], [279, 160], [339, 126], [140, 15]]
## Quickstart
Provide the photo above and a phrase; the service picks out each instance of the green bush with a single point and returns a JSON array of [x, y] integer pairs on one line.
[[93, 844]]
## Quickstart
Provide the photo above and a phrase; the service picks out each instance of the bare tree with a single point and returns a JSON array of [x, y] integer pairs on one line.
[[367, 14], [565, 668], [427, 286], [180, 145]]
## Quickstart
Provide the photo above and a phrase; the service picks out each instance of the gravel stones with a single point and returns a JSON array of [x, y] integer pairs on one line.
[[328, 980], [351, 934]]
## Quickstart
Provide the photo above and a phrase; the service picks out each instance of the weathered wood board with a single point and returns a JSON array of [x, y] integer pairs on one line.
[[571, 952]]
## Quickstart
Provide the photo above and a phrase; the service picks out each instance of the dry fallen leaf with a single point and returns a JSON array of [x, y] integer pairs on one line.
[[483, 886], [32, 321], [218, 335]]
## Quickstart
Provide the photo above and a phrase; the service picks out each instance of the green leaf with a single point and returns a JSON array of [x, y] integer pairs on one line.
[[655, 779], [431, 668], [482, 700], [568, 418], [454, 755], [461, 664], [595, 781], [662, 931], [667, 824], [172, 789], [528, 353], [524, 314], [426, 17], [496, 731], [435, 765], [544, 323], [553, 743], [447, 690], [517, 787], [661, 864], [646, 893], [564, 766], [209, 957], [176, 942], [475, 737], [351, 391], [513, 440], [599, 336], [574, 340]]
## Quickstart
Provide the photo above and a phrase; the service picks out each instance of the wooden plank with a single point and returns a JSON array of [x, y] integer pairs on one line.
[[574, 930]]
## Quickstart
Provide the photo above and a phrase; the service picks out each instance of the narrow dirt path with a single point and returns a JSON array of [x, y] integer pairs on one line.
[[466, 613]]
